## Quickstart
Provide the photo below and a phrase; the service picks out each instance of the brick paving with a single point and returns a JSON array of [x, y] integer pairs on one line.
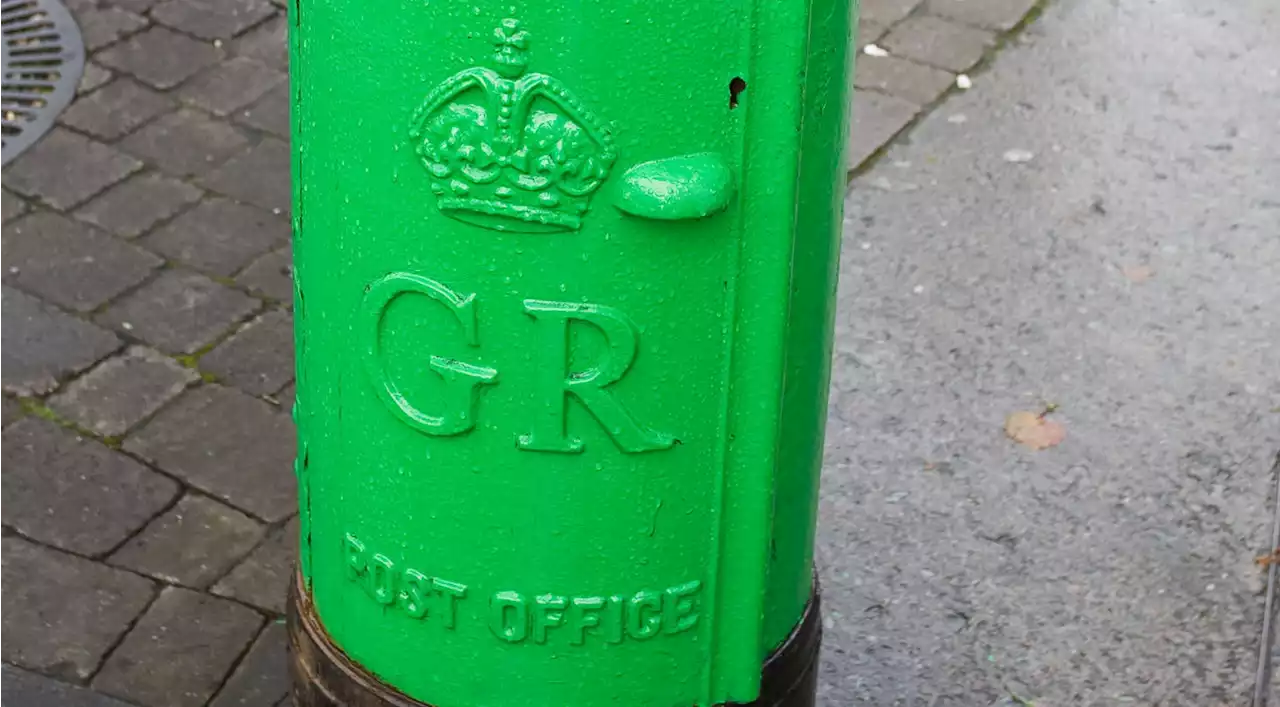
[[147, 367]]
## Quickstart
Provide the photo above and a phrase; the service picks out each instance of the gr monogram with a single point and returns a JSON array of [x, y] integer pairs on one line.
[[455, 411]]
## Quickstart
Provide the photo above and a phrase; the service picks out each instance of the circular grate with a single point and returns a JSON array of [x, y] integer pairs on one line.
[[43, 58]]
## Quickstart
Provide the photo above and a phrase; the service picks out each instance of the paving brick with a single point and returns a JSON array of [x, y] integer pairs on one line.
[[268, 43], [116, 108], [93, 77], [12, 410], [868, 32], [22, 688], [137, 6], [180, 650], [219, 236], [179, 311], [262, 678], [259, 358], [12, 206], [73, 492], [885, 12], [260, 176], [185, 142], [64, 632], [228, 444], [270, 113], [100, 26], [69, 263], [938, 42], [138, 203], [192, 544], [43, 346], [917, 83], [122, 391], [160, 58], [271, 275], [1002, 15], [876, 119], [286, 397], [64, 169], [231, 85], [263, 578], [212, 19]]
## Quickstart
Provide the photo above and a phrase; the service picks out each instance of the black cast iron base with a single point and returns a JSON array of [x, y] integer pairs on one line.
[[323, 676]]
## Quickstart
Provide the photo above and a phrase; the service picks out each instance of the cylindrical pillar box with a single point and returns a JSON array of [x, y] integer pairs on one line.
[[564, 278]]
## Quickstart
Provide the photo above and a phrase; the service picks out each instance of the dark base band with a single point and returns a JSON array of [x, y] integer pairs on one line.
[[323, 676]]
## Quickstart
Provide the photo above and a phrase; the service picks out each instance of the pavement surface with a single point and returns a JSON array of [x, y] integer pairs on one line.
[[1091, 225]]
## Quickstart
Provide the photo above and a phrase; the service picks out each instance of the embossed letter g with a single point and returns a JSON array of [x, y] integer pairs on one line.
[[463, 379]]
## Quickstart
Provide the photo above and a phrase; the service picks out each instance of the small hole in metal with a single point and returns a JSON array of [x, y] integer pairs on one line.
[[736, 86]]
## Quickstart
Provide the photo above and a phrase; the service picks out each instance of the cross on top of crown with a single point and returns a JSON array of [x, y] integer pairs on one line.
[[509, 45]]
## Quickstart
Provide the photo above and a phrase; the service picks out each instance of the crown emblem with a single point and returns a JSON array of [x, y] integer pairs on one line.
[[510, 150]]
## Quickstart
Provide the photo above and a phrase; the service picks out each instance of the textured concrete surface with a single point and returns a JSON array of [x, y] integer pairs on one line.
[[1095, 224]]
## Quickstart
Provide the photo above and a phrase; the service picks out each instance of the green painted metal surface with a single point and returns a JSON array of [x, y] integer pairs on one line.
[[564, 277]]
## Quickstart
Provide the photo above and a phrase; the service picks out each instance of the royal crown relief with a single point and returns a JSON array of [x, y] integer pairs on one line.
[[511, 150]]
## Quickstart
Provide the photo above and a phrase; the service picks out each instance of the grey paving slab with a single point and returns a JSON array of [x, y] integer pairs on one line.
[[185, 142], [101, 26], [64, 169], [258, 176], [192, 544], [121, 391], [268, 43], [258, 359], [984, 271], [179, 311], [270, 113], [1001, 15], [12, 410], [877, 118], [13, 206], [69, 263], [228, 444], [938, 42], [160, 58], [116, 108], [23, 688], [43, 346], [262, 678], [212, 20], [905, 79], [231, 85], [885, 12], [262, 579], [271, 276], [64, 633], [132, 207], [219, 236], [94, 76], [180, 651], [75, 493]]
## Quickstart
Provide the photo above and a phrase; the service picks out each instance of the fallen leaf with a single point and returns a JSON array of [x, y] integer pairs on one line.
[[1269, 559], [1032, 430], [1138, 273]]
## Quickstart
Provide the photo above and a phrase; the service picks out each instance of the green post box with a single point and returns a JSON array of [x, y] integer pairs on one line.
[[563, 290]]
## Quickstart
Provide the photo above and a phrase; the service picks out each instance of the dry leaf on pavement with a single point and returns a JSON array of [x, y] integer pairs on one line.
[[1138, 273], [1032, 430]]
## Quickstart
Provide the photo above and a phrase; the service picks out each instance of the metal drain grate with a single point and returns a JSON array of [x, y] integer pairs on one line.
[[43, 58]]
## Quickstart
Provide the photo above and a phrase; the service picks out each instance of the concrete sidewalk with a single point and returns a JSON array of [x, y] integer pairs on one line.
[[1094, 225]]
